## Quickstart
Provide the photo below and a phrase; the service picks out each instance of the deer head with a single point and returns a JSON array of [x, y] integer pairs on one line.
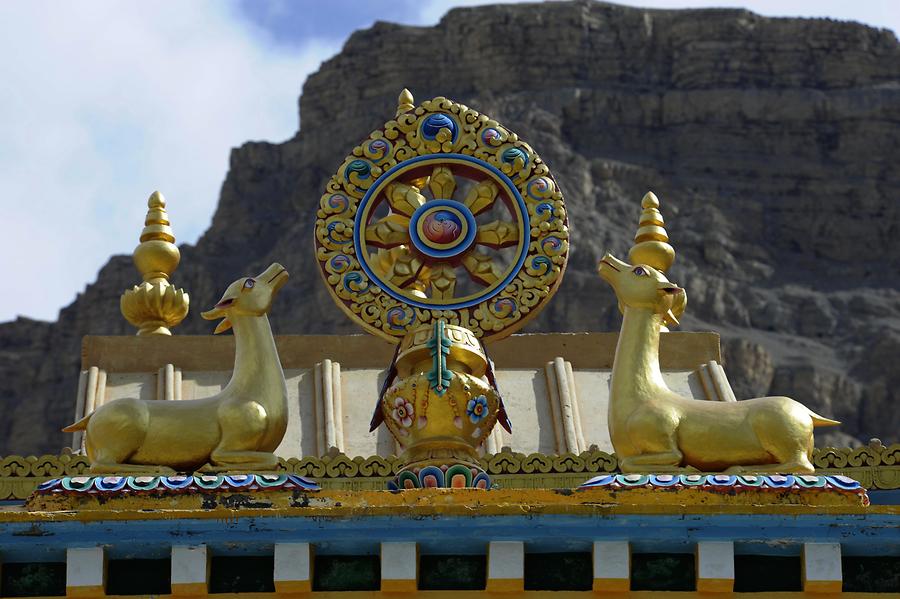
[[248, 296], [644, 287]]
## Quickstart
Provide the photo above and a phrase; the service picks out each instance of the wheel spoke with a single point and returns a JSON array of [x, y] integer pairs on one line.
[[498, 234], [482, 268], [400, 267], [442, 183], [443, 281], [388, 232], [404, 198], [482, 196]]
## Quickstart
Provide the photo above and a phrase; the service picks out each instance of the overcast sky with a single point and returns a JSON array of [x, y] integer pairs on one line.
[[105, 101]]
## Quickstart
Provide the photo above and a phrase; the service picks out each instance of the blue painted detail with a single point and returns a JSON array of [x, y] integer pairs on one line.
[[858, 534], [209, 481], [354, 282], [721, 480], [512, 192], [143, 483], [109, 483], [432, 125], [772, 481], [303, 482], [360, 168], [633, 480], [843, 482], [545, 207], [663, 480], [543, 263], [77, 483], [509, 155], [461, 246], [178, 481], [330, 228], [48, 484], [599, 481], [692, 480], [779, 481], [477, 409], [482, 481], [750, 480], [240, 480], [431, 476], [810, 481], [271, 480]]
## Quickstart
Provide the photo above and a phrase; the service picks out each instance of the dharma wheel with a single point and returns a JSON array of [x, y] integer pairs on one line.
[[442, 213]]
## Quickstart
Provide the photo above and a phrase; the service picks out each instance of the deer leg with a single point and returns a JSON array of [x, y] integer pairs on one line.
[[243, 426], [800, 465], [666, 461], [110, 467], [242, 460]]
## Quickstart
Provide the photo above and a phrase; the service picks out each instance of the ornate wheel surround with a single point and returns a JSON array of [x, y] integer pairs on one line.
[[390, 256]]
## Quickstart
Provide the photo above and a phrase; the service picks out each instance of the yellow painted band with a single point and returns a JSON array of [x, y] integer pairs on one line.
[[293, 586], [190, 588], [612, 585], [505, 585], [398, 586], [447, 502], [85, 591], [822, 586], [715, 585]]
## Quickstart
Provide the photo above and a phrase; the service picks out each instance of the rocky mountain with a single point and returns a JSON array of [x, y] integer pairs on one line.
[[772, 144]]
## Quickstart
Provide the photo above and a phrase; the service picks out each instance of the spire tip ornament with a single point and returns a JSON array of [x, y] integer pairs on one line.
[[651, 242], [155, 306]]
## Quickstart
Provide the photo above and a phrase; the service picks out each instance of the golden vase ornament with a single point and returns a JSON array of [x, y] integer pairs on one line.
[[440, 409]]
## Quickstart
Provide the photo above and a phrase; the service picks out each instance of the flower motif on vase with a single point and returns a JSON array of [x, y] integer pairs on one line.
[[477, 409], [403, 412]]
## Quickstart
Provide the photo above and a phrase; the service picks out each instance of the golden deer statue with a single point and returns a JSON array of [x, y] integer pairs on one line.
[[654, 429], [237, 429]]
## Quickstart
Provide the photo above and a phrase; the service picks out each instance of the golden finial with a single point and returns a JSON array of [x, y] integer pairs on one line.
[[651, 242], [155, 305], [405, 102]]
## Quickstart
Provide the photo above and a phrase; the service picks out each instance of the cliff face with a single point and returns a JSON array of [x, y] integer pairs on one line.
[[772, 144]]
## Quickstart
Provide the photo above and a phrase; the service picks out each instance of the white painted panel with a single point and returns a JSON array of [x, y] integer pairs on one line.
[[524, 394], [130, 384]]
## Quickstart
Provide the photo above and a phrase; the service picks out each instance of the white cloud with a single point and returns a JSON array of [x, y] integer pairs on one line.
[[104, 102]]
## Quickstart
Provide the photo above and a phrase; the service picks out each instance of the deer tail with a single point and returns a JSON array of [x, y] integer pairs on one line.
[[78, 426], [822, 421]]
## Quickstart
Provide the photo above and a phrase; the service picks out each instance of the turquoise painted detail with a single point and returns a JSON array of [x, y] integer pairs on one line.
[[439, 376]]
